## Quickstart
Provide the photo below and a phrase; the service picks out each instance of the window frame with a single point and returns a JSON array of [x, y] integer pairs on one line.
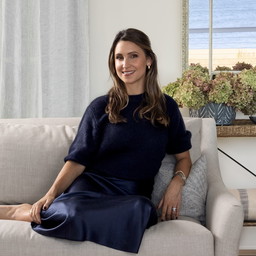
[[211, 31]]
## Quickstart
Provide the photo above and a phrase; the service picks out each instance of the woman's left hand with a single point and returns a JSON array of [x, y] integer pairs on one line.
[[170, 203]]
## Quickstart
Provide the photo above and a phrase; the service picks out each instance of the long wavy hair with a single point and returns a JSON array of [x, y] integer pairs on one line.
[[153, 106]]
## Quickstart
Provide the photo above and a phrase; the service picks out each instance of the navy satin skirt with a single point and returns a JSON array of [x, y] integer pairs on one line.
[[105, 210]]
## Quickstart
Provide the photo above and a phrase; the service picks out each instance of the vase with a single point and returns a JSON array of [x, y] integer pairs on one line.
[[223, 114], [253, 118]]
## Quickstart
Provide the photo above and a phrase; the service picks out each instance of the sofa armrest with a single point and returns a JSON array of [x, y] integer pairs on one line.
[[224, 218]]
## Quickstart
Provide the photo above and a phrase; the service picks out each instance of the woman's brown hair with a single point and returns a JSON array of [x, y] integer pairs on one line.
[[153, 107]]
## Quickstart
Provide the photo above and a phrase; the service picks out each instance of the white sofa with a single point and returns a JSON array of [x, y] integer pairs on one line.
[[31, 155]]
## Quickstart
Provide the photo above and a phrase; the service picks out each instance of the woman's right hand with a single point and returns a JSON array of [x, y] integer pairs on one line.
[[70, 171], [42, 204]]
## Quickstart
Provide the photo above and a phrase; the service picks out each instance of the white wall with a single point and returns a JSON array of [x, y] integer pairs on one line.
[[242, 149], [161, 20]]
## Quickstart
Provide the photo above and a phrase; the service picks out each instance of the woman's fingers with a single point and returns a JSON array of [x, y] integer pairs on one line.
[[164, 215], [175, 212], [170, 208], [42, 204], [35, 212], [47, 203], [168, 212]]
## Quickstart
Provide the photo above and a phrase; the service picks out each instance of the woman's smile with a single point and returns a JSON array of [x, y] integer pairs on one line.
[[128, 73]]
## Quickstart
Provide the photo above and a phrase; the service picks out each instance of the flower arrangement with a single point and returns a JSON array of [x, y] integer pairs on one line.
[[248, 79], [196, 88]]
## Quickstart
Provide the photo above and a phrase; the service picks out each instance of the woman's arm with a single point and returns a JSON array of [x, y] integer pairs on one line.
[[70, 171], [172, 196]]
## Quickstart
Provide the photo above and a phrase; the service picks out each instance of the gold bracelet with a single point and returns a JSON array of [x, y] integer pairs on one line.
[[181, 174]]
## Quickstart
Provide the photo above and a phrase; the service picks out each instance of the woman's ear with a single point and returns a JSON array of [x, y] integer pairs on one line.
[[149, 61]]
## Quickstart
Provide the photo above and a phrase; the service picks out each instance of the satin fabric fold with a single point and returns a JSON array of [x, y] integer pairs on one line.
[[106, 210]]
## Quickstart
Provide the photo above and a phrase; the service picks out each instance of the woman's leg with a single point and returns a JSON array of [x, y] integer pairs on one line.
[[16, 212]]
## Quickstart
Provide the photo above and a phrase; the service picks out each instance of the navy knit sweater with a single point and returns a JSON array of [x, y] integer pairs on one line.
[[132, 150]]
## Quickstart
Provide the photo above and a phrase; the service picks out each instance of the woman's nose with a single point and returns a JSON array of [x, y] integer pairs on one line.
[[126, 63]]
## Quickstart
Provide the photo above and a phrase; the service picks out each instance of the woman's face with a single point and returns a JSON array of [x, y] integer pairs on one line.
[[131, 64]]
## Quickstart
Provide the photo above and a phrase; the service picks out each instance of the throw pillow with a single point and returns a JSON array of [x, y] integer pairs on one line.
[[247, 197], [194, 192]]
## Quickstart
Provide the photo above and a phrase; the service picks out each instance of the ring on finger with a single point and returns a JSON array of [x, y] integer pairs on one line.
[[174, 209]]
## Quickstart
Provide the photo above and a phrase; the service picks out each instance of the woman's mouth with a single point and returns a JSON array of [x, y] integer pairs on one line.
[[127, 73]]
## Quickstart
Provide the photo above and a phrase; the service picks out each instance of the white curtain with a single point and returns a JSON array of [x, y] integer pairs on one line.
[[44, 62]]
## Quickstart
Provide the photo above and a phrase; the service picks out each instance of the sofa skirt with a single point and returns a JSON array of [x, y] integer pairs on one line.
[[106, 210]]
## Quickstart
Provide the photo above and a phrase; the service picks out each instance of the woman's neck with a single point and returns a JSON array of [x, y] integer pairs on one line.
[[134, 90]]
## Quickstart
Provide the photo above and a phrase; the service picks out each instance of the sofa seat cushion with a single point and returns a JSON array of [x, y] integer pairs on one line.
[[170, 238]]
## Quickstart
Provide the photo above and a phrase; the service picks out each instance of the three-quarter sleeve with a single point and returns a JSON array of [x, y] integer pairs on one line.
[[179, 138], [85, 144]]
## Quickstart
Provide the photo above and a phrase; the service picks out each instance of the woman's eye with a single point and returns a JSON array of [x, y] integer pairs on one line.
[[134, 56], [119, 57]]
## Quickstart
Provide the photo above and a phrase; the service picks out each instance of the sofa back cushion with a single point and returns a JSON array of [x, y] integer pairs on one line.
[[30, 158], [32, 153], [194, 125]]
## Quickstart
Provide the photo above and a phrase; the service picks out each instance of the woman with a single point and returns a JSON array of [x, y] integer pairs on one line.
[[102, 194]]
